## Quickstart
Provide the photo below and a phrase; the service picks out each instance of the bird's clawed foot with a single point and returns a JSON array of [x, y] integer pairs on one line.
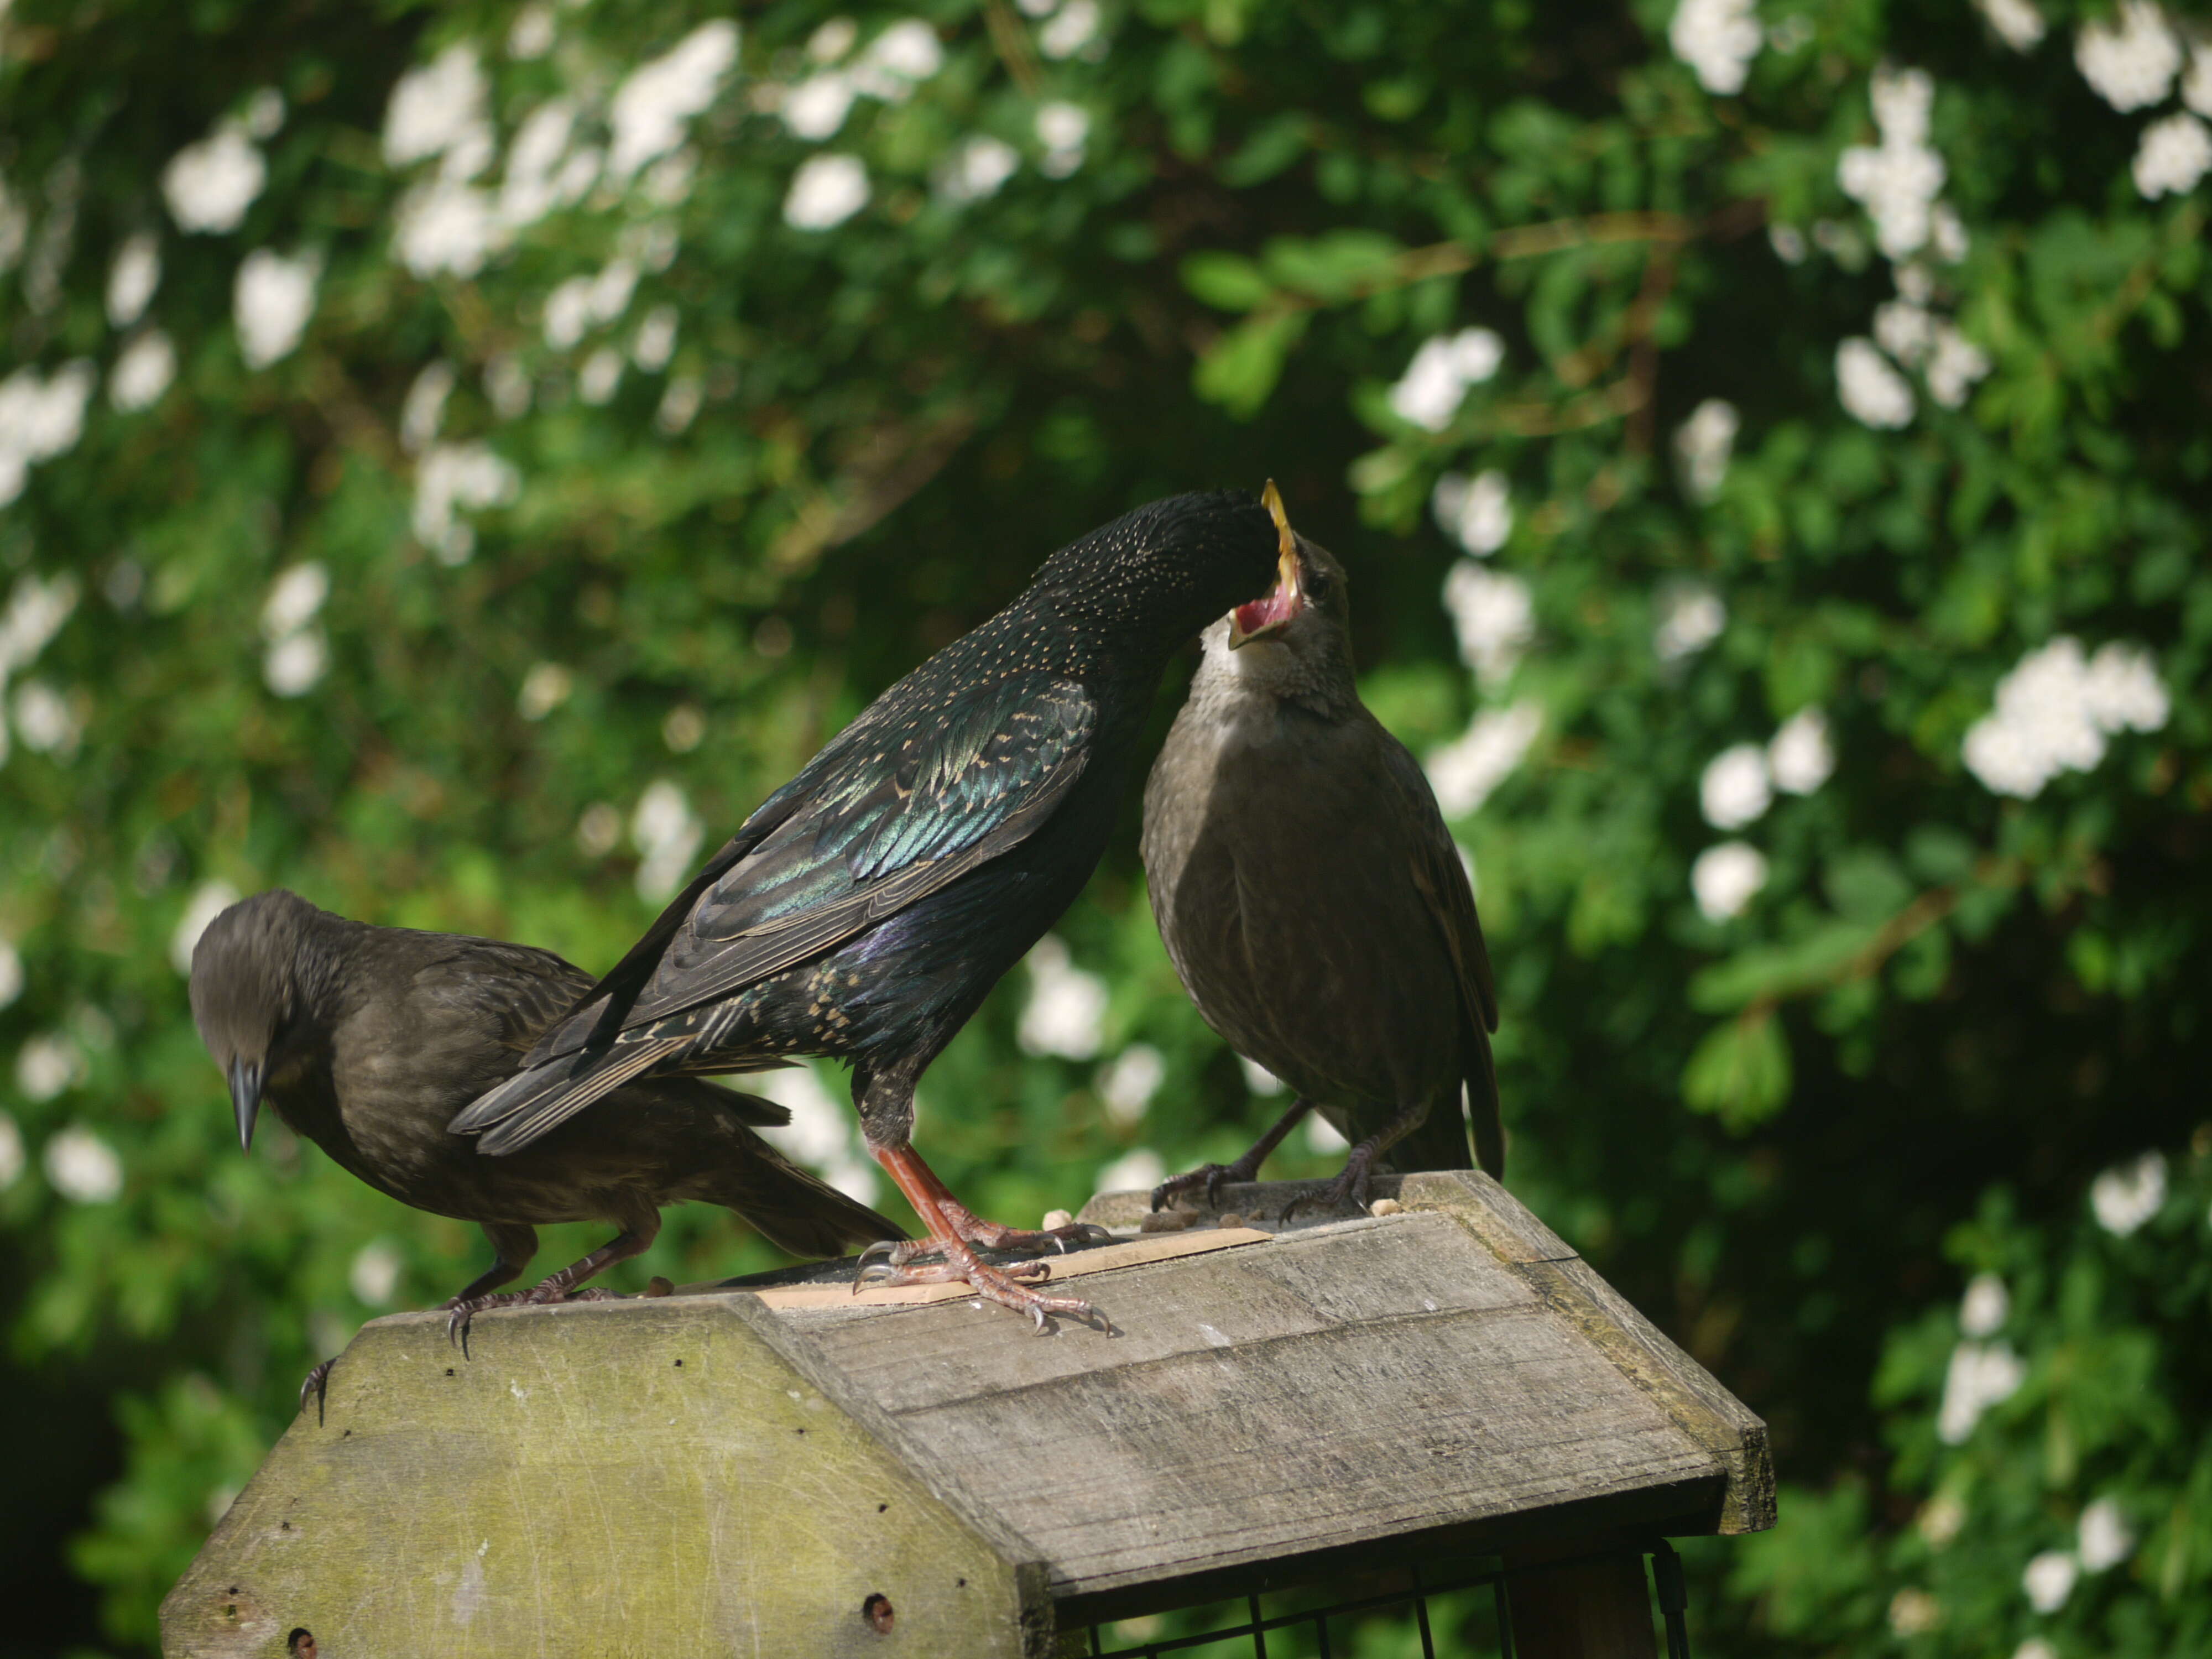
[[1010, 1286], [317, 1384], [463, 1310], [1347, 1191], [1210, 1177]]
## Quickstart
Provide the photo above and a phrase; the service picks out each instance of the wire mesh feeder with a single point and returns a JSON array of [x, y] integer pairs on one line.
[[1298, 1412], [1250, 1636]]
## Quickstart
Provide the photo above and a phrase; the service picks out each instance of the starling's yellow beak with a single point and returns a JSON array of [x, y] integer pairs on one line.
[[1271, 614]]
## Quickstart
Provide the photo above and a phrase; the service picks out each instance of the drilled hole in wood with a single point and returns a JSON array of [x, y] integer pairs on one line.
[[679, 1365], [880, 1508], [876, 1610]]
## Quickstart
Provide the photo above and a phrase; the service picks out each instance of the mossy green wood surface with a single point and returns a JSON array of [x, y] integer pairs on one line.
[[617, 1478]]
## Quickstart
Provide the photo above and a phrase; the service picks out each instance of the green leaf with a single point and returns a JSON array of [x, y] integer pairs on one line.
[[1810, 963], [1245, 362], [1228, 282], [1865, 884], [1740, 1072], [1334, 267]]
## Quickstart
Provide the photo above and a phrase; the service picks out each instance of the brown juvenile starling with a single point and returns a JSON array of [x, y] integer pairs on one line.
[[869, 905], [1311, 898], [368, 1040]]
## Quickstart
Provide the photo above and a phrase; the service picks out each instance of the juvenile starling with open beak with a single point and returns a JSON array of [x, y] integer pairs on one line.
[[368, 1040], [869, 905], [1310, 896]]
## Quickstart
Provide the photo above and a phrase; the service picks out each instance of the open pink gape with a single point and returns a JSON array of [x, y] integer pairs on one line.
[[1278, 607]]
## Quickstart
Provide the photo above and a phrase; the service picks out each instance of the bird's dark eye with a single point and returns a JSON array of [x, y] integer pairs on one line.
[[1319, 584]]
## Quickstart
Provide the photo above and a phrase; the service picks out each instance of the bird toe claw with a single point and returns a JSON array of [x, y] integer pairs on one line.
[[317, 1384]]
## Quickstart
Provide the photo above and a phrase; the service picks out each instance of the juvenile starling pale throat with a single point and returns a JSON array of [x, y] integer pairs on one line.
[[1311, 898], [868, 906], [368, 1040]]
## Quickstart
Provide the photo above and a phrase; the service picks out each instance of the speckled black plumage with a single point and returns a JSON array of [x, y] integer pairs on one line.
[[867, 907], [1310, 897], [368, 1040]]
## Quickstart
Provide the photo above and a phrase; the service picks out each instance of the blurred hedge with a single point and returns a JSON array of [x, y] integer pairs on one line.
[[459, 458]]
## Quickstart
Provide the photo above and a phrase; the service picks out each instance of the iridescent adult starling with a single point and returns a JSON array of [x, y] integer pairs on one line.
[[368, 1040], [1311, 898], [867, 907]]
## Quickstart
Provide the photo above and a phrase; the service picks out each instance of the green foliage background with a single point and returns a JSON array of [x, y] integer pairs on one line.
[[1791, 1136]]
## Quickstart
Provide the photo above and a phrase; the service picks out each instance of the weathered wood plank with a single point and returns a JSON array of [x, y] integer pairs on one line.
[[619, 1478]]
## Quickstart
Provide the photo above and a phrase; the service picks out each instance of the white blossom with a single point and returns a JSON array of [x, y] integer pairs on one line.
[[1066, 1010], [666, 833], [296, 665], [832, 40], [1871, 391], [532, 32], [2035, 1648], [1691, 617], [2018, 23], [132, 278], [15, 227], [599, 828], [1979, 1375], [1063, 128], [2104, 1539], [2130, 60], [897, 60], [1914, 1612], [46, 1065], [1717, 38], [1788, 243], [568, 313], [1704, 444], [453, 477], [2197, 83], [48, 722], [536, 180], [1985, 1307], [2054, 710], [142, 372], [601, 374], [82, 1166], [977, 167], [444, 224], [2128, 1194], [1735, 789], [545, 689], [209, 185], [1324, 1136], [1946, 234], [684, 728], [424, 408], [40, 417], [820, 1134], [11, 1152], [273, 299], [1940, 1519], [507, 383], [2175, 155], [1905, 329], [1957, 364], [1073, 27], [1800, 757], [1428, 393], [1139, 1171], [2049, 1580], [374, 1274], [1493, 615], [1258, 1078], [11, 972], [815, 109], [209, 900], [825, 191], [434, 107], [651, 109], [1465, 771], [1128, 1082], [1897, 180], [655, 341], [679, 404], [1477, 512], [1726, 877], [295, 597]]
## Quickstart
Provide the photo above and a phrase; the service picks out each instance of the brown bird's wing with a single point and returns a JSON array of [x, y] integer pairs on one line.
[[1442, 879]]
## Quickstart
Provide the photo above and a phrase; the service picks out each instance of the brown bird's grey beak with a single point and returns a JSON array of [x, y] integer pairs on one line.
[[1263, 618], [246, 1099]]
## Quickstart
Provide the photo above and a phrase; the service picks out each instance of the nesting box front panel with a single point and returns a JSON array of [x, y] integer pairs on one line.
[[619, 1478]]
